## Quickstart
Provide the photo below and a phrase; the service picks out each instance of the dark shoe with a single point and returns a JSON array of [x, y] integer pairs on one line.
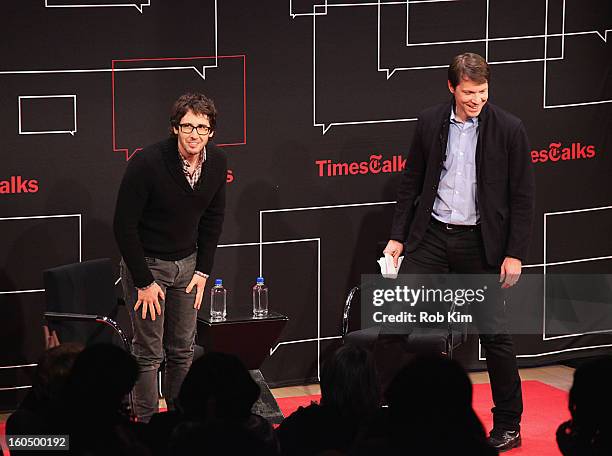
[[504, 440]]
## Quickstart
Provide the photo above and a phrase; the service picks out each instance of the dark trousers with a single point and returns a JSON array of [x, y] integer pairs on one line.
[[461, 251], [170, 337]]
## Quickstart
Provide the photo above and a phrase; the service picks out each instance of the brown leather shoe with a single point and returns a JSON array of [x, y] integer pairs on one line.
[[504, 440]]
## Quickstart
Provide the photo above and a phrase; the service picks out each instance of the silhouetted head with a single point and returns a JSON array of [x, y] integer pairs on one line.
[[101, 377], [53, 369], [349, 383], [590, 398], [430, 407], [430, 386], [218, 387]]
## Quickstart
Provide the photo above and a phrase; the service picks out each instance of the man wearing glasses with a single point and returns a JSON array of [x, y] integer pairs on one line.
[[167, 225]]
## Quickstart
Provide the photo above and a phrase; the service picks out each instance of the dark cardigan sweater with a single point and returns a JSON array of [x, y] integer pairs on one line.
[[159, 215]]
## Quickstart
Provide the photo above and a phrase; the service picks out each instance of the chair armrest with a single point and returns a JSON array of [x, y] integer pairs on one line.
[[91, 318], [71, 316], [347, 310]]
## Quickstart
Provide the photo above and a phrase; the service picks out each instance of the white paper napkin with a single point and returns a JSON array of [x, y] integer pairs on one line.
[[387, 269]]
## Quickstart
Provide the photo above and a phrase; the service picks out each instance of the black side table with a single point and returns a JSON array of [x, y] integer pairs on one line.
[[250, 339]]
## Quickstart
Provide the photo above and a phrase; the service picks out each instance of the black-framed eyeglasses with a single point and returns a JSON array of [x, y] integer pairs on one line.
[[202, 130]]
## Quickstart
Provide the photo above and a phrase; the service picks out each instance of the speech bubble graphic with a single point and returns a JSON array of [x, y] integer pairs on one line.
[[299, 8], [143, 90], [403, 47], [21, 246], [47, 114], [594, 16], [496, 30], [343, 67], [102, 4]]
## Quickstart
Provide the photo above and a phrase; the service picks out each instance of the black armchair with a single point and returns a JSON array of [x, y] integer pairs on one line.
[[81, 302], [439, 340]]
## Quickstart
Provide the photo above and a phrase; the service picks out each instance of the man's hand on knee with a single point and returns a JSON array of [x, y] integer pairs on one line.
[[148, 299], [199, 282]]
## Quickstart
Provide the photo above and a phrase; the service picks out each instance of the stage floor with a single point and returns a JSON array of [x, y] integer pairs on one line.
[[557, 376]]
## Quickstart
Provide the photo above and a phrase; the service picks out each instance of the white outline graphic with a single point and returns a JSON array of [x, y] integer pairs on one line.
[[605, 40], [292, 241], [136, 5], [314, 13], [12, 388], [307, 208], [41, 290], [325, 4], [322, 10], [78, 216], [480, 357], [201, 72], [261, 243], [19, 366], [35, 97], [484, 40], [545, 265], [553, 352]]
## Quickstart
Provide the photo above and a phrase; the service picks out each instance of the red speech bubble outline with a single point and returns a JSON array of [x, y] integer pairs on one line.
[[127, 152]]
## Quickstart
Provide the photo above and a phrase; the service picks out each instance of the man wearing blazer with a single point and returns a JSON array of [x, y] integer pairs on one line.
[[168, 220], [465, 204]]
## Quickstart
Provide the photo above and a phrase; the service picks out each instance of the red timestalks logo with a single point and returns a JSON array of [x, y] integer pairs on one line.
[[376, 165], [17, 184], [555, 152]]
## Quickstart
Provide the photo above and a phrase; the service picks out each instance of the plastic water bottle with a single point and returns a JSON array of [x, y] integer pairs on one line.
[[260, 298], [218, 301]]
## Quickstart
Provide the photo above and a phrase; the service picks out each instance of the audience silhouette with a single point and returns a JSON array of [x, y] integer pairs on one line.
[[215, 400], [349, 402], [33, 415], [36, 413], [589, 432], [430, 412], [82, 393], [92, 407]]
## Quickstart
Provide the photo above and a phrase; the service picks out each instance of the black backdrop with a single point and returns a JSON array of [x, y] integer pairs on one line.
[[317, 105]]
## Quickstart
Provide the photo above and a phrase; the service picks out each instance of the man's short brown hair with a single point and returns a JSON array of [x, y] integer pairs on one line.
[[198, 104], [470, 66]]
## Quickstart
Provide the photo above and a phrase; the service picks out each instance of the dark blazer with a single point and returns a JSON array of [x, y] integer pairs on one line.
[[504, 176]]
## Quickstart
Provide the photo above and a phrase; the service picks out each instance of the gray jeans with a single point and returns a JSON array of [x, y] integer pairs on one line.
[[171, 334]]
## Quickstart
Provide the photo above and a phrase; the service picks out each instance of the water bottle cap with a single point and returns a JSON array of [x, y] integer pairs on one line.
[[260, 280], [218, 282]]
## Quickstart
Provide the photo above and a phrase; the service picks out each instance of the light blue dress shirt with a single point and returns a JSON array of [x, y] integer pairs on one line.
[[456, 199]]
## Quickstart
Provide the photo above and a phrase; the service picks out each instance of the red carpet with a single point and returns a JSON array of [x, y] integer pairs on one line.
[[2, 442], [545, 408]]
